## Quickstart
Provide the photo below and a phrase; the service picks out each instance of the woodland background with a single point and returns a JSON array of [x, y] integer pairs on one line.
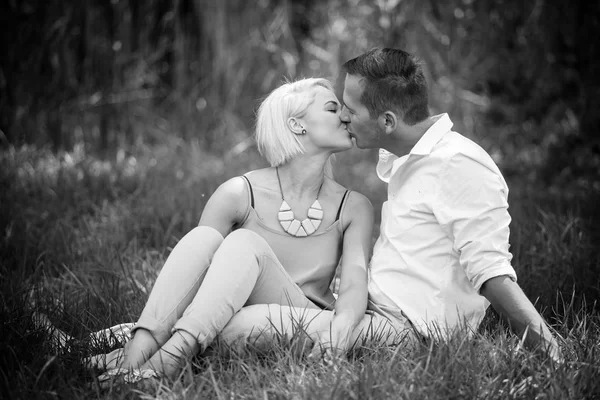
[[119, 118], [521, 77]]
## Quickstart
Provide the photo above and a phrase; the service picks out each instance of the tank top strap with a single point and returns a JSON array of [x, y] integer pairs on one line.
[[250, 192], [342, 204], [250, 201]]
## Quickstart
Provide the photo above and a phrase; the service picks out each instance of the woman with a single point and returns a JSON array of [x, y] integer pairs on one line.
[[272, 236]]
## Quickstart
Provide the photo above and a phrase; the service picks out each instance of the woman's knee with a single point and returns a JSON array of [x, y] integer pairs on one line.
[[205, 236], [202, 238], [244, 236], [241, 239]]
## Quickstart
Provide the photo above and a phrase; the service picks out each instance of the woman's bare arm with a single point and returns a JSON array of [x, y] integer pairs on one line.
[[352, 297], [226, 207]]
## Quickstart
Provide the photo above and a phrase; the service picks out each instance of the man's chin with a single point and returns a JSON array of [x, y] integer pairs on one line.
[[358, 144]]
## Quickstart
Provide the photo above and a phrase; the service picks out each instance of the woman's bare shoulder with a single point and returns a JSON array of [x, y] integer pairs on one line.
[[356, 202], [335, 187], [338, 188], [260, 175], [359, 201], [231, 188], [237, 186]]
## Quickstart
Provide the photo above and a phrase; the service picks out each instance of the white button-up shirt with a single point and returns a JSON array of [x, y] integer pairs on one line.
[[444, 231]]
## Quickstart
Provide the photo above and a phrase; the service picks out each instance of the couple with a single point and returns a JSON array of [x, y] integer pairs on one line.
[[268, 242]]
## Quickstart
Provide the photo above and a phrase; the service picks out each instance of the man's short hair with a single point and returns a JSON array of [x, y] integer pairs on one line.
[[274, 138], [394, 81]]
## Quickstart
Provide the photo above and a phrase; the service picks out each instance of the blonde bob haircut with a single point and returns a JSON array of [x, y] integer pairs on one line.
[[274, 138]]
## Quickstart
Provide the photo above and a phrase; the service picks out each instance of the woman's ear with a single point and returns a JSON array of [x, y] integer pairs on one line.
[[387, 121], [295, 125]]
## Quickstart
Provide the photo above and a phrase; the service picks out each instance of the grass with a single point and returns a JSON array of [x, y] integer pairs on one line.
[[90, 236]]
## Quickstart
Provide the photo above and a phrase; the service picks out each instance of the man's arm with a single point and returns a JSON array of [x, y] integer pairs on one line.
[[510, 302], [473, 208]]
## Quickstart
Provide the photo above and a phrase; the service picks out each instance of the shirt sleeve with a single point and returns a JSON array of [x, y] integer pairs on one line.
[[472, 207]]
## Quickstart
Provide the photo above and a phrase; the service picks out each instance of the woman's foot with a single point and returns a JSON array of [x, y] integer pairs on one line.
[[172, 356], [59, 340], [138, 350], [106, 361], [117, 376]]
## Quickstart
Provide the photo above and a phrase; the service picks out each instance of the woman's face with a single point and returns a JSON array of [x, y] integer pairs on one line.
[[324, 129]]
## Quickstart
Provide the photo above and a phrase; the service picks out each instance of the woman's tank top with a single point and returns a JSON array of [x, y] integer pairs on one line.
[[311, 261]]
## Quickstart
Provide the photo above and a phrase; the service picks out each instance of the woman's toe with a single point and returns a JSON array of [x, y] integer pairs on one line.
[[105, 361], [112, 374]]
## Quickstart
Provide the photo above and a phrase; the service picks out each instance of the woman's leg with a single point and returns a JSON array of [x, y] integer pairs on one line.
[[244, 271], [173, 291], [260, 324]]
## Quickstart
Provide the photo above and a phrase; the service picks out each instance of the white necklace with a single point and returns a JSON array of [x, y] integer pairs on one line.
[[288, 220]]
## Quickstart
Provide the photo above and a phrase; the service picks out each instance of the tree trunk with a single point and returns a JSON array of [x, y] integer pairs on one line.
[[134, 31], [106, 112], [178, 66], [588, 56]]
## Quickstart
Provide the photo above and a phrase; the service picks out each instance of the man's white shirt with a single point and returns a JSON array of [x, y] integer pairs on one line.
[[444, 231]]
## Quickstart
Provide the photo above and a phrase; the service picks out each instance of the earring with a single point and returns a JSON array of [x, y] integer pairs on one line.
[[304, 131]]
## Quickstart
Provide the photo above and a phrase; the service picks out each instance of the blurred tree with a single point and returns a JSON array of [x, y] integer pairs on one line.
[[520, 76]]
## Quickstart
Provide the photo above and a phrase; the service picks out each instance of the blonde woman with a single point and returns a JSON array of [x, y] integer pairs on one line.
[[272, 236]]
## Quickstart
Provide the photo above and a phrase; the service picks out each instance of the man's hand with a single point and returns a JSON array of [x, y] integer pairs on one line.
[[510, 302]]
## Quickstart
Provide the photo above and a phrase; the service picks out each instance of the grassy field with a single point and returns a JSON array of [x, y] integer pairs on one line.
[[82, 241]]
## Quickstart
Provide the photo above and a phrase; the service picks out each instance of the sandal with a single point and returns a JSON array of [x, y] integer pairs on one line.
[[137, 375], [130, 376], [112, 373]]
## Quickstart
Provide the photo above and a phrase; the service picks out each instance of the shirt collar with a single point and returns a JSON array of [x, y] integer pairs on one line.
[[440, 127], [389, 163]]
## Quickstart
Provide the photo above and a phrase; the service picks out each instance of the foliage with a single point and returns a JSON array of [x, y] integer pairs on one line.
[[520, 77], [118, 118], [91, 236]]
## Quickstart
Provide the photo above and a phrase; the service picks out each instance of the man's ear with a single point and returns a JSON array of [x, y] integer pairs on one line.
[[295, 125], [388, 121]]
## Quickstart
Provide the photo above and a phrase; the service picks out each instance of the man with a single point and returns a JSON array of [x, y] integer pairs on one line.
[[442, 255]]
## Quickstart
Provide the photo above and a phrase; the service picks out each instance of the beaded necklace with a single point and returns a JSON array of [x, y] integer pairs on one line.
[[288, 220]]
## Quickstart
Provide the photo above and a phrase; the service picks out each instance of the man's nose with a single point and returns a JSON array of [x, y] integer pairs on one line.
[[344, 115]]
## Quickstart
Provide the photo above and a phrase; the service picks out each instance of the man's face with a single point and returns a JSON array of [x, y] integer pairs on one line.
[[361, 126]]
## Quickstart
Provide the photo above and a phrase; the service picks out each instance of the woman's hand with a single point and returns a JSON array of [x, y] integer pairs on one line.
[[352, 297], [334, 343]]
